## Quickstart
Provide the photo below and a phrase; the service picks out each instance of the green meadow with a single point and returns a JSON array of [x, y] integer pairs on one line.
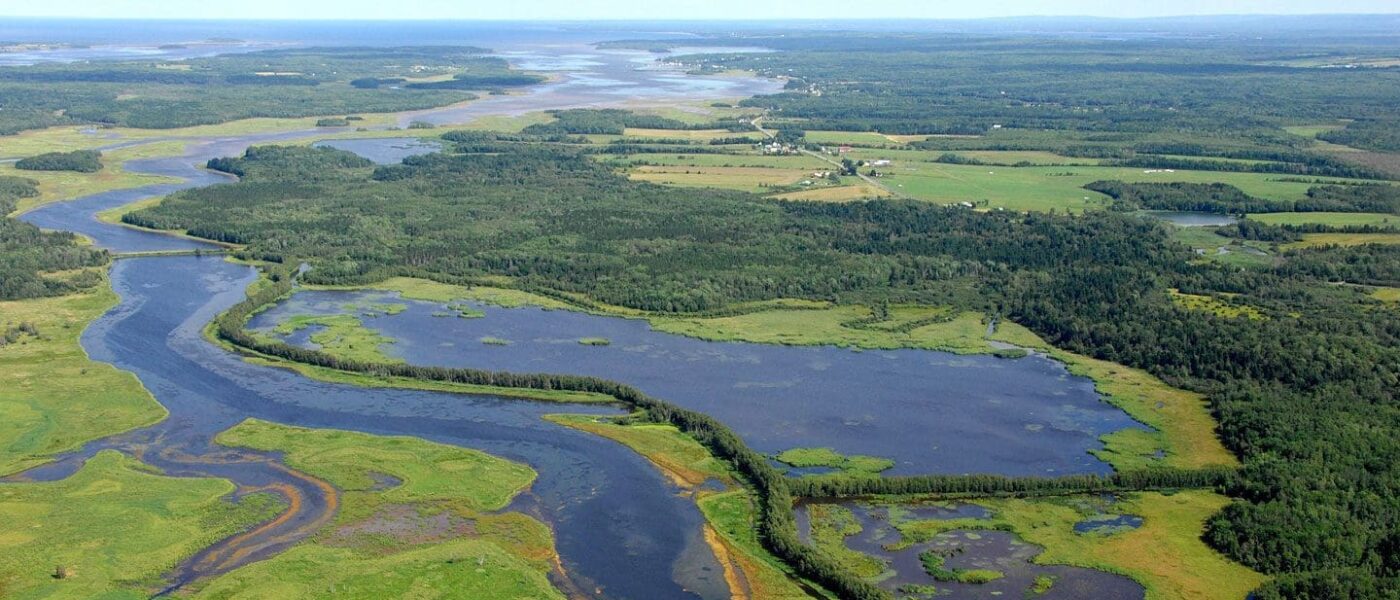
[[1332, 219], [417, 519], [52, 396], [1058, 187], [114, 527]]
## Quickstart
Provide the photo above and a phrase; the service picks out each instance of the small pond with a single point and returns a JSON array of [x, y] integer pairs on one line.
[[1192, 218], [1108, 524]]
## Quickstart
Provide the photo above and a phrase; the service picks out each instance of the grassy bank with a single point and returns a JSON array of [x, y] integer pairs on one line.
[[417, 519], [53, 398], [731, 516], [133, 526]]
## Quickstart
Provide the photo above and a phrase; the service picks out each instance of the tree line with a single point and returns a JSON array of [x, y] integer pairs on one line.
[[29, 255], [81, 161], [776, 526]]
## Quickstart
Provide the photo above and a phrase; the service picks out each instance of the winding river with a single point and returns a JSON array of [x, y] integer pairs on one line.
[[621, 529]]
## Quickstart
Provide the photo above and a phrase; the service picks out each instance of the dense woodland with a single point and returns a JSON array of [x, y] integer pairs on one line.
[[29, 258], [1306, 396], [275, 83], [1152, 101], [967, 84], [614, 121], [1228, 199], [82, 161]]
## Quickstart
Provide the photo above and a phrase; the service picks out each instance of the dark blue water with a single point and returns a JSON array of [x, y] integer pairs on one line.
[[1108, 524], [931, 412], [619, 525], [620, 528]]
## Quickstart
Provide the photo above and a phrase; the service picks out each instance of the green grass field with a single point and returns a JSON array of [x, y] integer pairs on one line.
[[1328, 218], [847, 192], [833, 138], [749, 179], [115, 526], [1312, 240], [430, 532], [53, 398], [698, 135], [1046, 187], [793, 162], [1165, 554]]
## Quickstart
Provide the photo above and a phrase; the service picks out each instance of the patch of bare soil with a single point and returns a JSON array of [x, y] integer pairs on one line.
[[404, 524]]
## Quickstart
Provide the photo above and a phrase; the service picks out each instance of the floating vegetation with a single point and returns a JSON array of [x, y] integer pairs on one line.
[[595, 341], [494, 341], [933, 561], [1043, 583], [804, 458], [1107, 524], [466, 311], [377, 309]]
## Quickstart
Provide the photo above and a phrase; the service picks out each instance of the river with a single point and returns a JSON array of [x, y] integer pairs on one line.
[[620, 527]]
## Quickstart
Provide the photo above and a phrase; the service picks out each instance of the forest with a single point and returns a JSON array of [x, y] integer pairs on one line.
[[966, 84], [1228, 199], [1305, 395], [30, 258], [273, 83], [81, 161]]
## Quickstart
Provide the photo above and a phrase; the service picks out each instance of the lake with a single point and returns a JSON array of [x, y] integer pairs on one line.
[[931, 412]]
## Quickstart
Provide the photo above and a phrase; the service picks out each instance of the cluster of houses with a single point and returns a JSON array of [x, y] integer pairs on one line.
[[777, 148]]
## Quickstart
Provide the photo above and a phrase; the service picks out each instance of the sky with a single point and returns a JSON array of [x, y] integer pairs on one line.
[[671, 9]]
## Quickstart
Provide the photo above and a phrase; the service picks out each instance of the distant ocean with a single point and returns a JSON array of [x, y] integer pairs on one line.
[[492, 34]]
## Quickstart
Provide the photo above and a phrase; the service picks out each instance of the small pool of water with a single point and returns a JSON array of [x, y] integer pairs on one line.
[[1192, 218], [1108, 524], [930, 412]]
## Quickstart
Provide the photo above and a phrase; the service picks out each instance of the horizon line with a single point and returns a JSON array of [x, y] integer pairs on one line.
[[706, 19]]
